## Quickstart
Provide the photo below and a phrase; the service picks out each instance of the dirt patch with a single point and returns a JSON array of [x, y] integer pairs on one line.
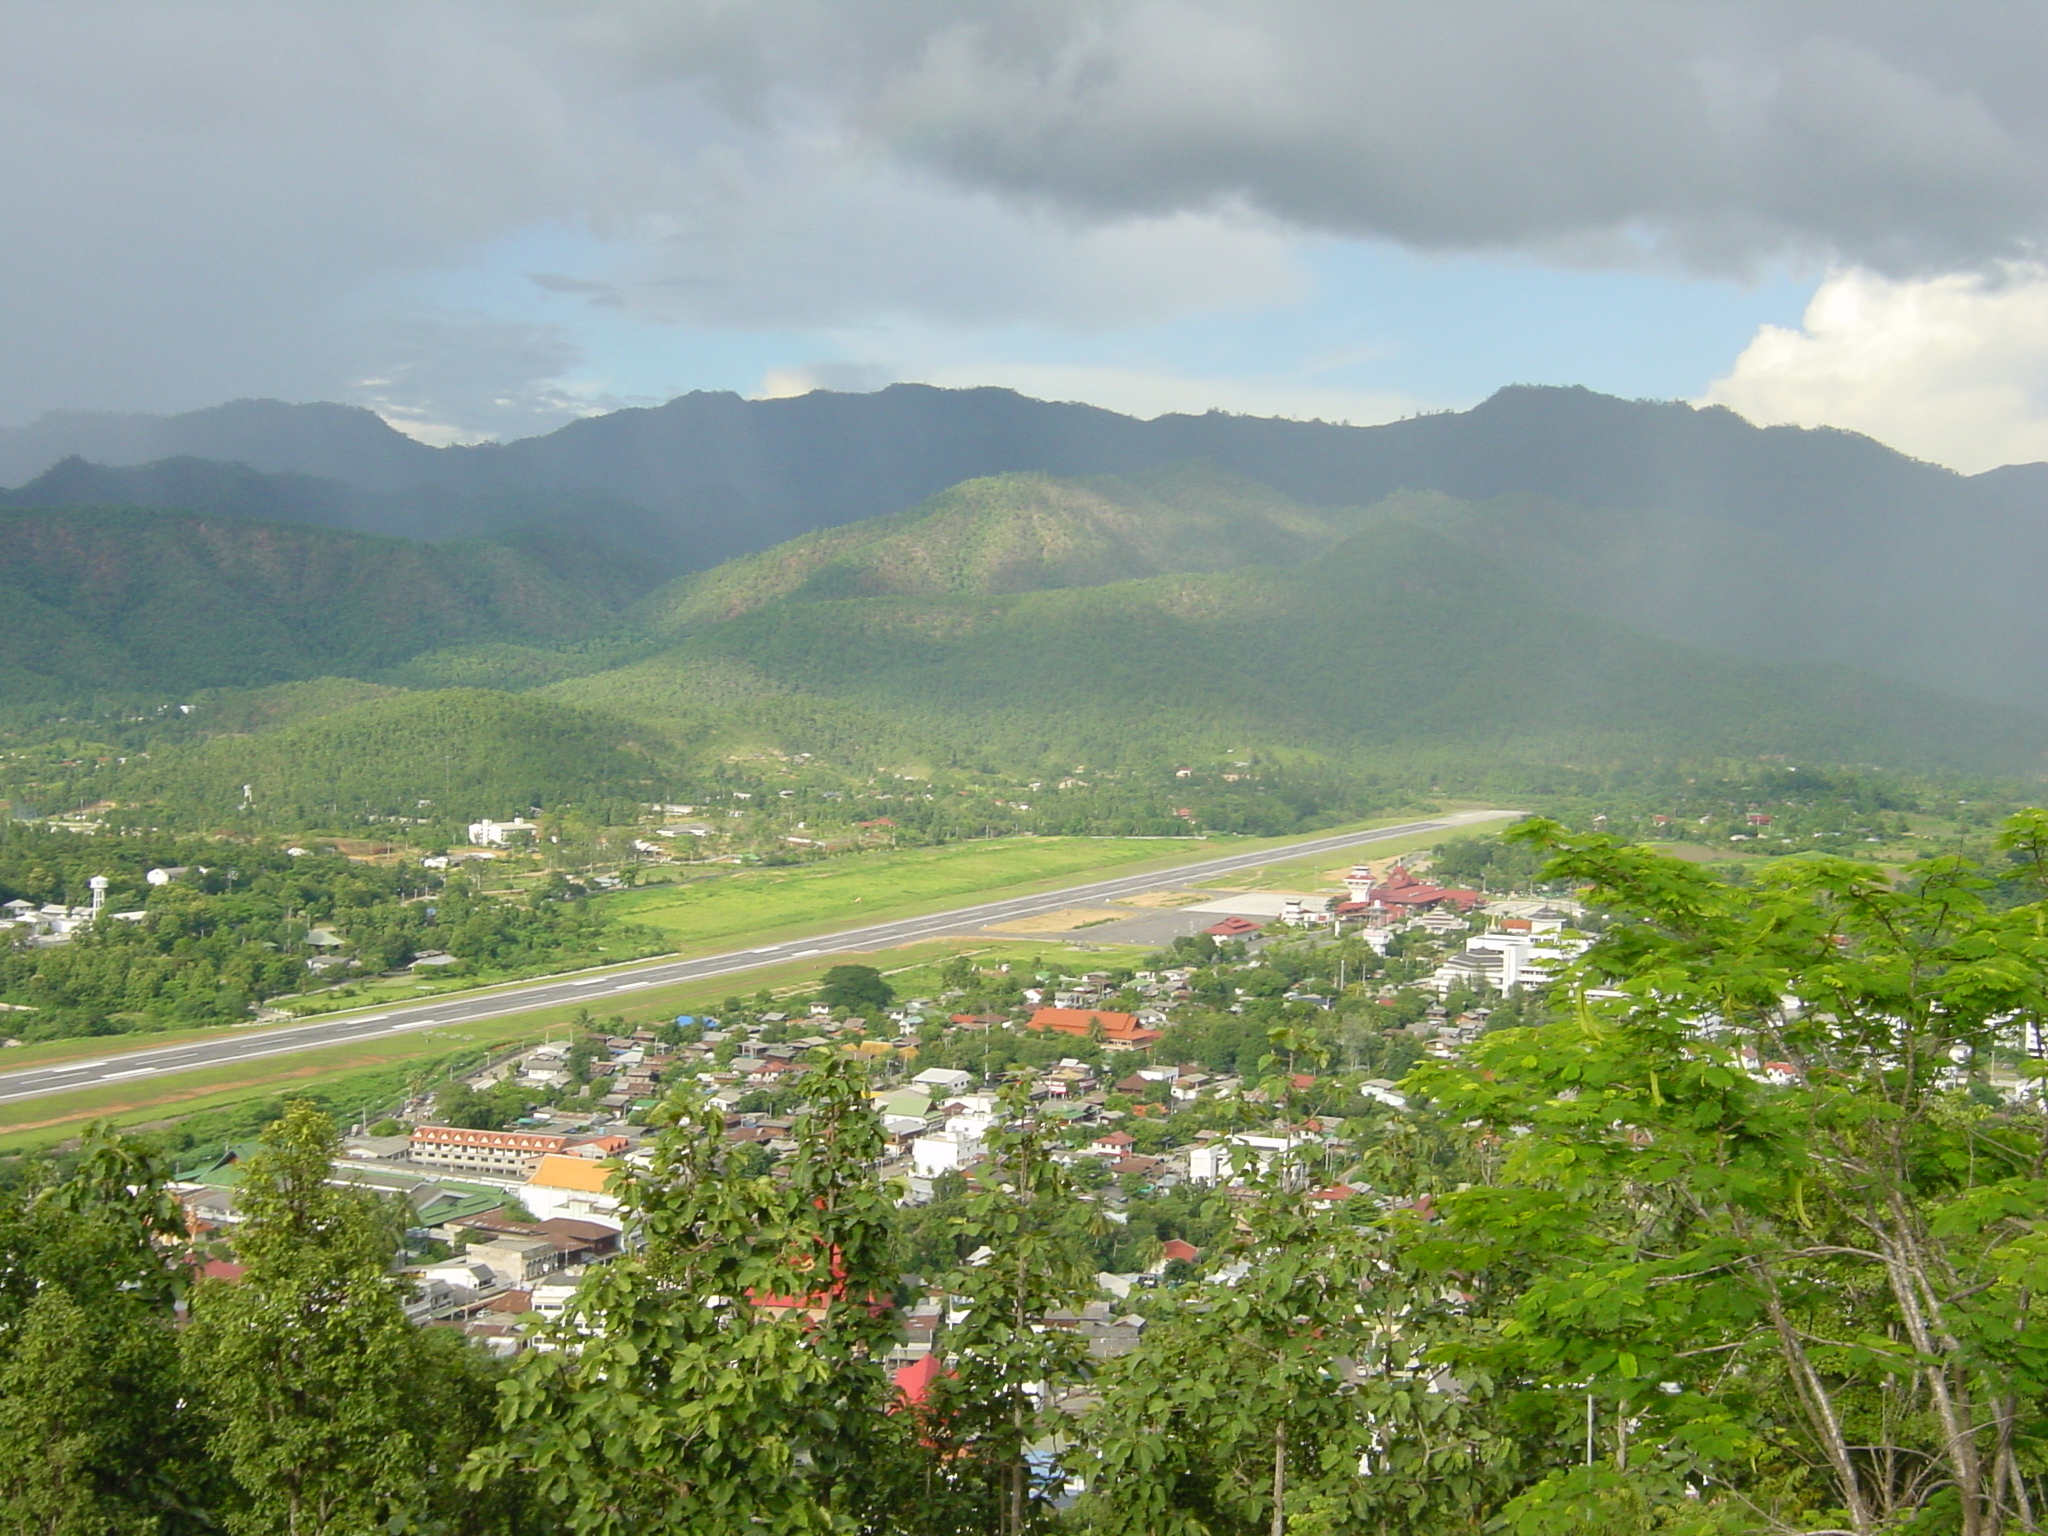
[[1066, 920], [1161, 899]]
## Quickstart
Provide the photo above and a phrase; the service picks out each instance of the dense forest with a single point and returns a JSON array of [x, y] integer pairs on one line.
[[1007, 629], [1740, 1236], [138, 605]]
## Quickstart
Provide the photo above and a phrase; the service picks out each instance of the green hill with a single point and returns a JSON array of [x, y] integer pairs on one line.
[[466, 752], [1017, 623], [131, 602], [1020, 533], [1401, 637]]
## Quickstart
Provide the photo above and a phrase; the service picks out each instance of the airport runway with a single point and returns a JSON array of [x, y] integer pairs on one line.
[[620, 982]]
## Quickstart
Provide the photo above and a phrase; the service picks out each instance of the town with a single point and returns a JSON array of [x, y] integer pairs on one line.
[[1159, 1087]]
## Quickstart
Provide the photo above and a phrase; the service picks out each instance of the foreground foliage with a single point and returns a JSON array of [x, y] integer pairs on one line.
[[1747, 1240]]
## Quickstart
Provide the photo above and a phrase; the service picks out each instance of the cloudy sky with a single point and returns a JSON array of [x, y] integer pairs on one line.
[[482, 217]]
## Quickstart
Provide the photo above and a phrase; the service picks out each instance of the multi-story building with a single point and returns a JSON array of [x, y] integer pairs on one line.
[[506, 1154]]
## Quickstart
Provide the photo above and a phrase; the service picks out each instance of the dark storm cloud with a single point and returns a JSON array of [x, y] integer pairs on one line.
[[1714, 135], [220, 197]]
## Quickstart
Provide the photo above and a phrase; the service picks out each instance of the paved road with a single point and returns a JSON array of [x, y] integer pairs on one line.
[[590, 987]]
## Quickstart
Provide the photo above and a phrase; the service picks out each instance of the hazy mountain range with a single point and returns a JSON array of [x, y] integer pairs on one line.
[[1781, 543], [939, 568]]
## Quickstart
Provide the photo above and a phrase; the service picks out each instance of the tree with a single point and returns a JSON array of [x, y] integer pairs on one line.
[[91, 1393], [1749, 1236], [1011, 1366], [727, 1378], [856, 988], [459, 1104], [306, 1367], [1297, 1394]]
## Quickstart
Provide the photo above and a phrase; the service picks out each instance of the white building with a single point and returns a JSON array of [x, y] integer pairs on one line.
[[944, 1152], [949, 1081], [497, 834], [1220, 1162], [1507, 962], [567, 1185]]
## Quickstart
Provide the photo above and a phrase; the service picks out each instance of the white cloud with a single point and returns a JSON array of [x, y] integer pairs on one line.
[[1953, 369]]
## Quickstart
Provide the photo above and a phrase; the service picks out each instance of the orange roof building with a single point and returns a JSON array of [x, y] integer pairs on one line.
[[1116, 1028], [567, 1185]]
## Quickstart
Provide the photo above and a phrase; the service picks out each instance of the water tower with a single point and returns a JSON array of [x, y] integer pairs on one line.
[[99, 884]]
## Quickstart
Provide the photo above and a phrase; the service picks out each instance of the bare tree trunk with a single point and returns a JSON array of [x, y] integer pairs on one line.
[[1016, 1510], [1820, 1408], [1280, 1479], [1918, 1308]]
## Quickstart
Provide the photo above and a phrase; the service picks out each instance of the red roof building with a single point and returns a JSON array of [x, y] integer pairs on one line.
[[1083, 1023], [1232, 928], [914, 1381], [1402, 892]]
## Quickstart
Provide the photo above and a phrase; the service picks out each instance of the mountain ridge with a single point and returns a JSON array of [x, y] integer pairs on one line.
[[1778, 542]]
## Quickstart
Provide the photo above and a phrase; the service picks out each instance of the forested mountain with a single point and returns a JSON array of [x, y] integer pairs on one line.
[[1401, 638], [1780, 543], [127, 602], [1022, 533], [1014, 624]]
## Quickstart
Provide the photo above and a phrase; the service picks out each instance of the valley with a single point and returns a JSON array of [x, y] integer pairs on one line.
[[34, 1096]]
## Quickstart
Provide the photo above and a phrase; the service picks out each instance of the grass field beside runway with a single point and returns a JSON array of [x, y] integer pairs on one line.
[[39, 1122]]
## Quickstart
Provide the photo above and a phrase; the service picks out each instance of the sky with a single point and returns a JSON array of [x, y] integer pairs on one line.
[[482, 218]]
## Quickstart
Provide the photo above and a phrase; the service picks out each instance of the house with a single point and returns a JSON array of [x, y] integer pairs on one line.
[[944, 1152], [1114, 1029], [904, 1103], [944, 1080], [1233, 928], [1383, 1091], [914, 1381], [1221, 1162], [1178, 1250], [468, 1274], [514, 1260], [573, 1186]]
